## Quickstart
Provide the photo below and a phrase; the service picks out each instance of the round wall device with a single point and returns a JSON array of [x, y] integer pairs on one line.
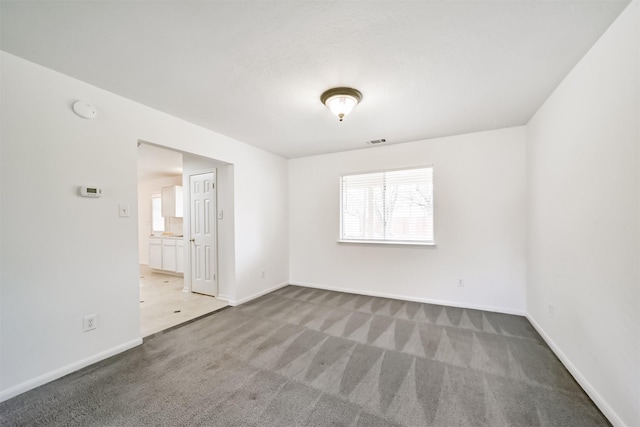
[[84, 109]]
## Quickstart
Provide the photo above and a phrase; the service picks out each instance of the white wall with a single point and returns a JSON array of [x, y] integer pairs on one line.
[[63, 256], [479, 187], [584, 244], [261, 226], [145, 189]]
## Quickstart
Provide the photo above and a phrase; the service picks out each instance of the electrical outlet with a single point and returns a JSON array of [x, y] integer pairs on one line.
[[263, 274], [89, 323], [551, 309], [461, 283]]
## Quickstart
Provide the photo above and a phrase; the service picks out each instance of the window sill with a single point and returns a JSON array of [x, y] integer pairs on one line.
[[387, 243]]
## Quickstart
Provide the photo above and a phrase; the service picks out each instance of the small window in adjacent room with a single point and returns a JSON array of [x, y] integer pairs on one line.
[[387, 207], [157, 221]]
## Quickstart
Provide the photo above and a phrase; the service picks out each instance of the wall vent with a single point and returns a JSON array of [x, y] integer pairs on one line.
[[376, 141]]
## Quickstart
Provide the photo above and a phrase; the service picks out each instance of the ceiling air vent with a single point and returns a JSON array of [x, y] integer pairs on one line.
[[376, 141]]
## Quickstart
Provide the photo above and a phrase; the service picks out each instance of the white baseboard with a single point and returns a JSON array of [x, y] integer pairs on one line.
[[410, 298], [257, 295], [224, 297], [61, 372], [600, 402]]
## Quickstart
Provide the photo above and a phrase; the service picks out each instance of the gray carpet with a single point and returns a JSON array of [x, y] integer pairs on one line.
[[304, 357]]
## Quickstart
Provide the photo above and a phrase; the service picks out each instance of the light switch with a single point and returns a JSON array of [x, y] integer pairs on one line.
[[124, 211]]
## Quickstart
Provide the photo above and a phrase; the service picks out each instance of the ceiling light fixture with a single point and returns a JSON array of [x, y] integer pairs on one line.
[[341, 100]]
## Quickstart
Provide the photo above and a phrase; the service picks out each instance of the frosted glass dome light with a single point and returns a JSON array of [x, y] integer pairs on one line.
[[341, 100]]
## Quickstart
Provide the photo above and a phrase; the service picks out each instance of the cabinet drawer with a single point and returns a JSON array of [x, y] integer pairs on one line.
[[155, 241], [168, 242]]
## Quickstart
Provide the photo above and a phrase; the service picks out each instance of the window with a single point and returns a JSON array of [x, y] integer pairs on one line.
[[157, 221], [387, 207]]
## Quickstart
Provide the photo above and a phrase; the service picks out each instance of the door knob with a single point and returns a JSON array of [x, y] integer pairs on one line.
[[192, 240]]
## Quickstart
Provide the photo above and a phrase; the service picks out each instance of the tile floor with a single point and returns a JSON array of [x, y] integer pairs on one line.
[[163, 304]]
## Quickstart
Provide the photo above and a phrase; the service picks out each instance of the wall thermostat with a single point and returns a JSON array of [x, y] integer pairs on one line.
[[90, 191]]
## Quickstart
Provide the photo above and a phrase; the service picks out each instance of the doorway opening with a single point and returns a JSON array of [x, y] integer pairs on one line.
[[179, 218]]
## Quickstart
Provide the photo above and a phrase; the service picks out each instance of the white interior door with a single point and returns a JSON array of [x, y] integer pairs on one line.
[[202, 188]]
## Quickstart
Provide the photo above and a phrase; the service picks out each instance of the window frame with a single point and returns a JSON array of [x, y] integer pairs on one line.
[[157, 195], [387, 242]]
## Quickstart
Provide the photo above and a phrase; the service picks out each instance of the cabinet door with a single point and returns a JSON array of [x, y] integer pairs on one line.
[[169, 254], [180, 257], [179, 202], [169, 202], [172, 204], [155, 253]]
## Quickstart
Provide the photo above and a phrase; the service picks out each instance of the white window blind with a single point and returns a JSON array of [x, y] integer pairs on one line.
[[390, 206]]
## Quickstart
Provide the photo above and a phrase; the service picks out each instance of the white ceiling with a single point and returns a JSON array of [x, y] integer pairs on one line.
[[155, 162], [255, 70]]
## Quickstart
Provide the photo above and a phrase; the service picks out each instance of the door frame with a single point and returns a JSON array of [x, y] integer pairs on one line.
[[186, 223]]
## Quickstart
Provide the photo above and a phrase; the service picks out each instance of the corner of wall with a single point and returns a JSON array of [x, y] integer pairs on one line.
[[581, 379]]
